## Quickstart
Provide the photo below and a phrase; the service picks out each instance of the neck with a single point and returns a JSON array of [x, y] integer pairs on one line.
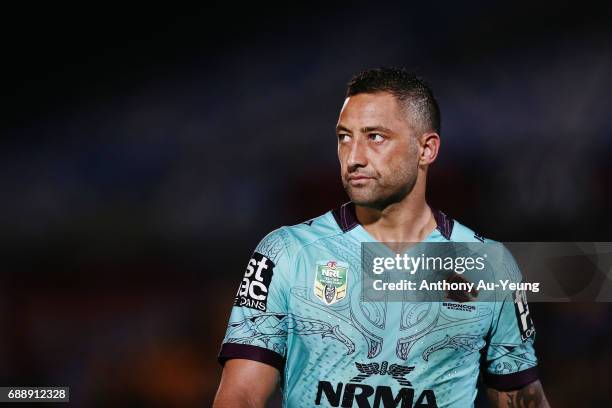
[[409, 220]]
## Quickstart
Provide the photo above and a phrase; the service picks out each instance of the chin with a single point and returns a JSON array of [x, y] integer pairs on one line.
[[358, 196], [369, 199]]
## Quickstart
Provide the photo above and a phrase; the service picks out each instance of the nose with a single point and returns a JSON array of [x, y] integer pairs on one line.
[[357, 155]]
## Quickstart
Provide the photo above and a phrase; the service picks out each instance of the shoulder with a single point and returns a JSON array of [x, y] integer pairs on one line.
[[462, 233], [495, 249], [291, 238]]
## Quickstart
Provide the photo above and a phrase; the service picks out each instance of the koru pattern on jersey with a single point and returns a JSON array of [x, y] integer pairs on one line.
[[299, 308]]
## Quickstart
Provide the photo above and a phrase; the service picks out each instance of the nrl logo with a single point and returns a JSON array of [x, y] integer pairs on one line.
[[331, 281]]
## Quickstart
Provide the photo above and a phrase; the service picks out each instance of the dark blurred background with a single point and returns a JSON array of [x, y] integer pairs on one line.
[[146, 150]]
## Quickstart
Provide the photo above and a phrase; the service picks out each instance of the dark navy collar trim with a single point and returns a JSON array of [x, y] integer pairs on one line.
[[445, 223], [346, 217]]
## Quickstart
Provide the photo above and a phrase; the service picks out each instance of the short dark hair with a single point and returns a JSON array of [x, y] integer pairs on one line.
[[413, 92]]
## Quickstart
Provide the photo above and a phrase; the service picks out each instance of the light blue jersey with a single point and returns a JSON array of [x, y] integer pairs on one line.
[[299, 309]]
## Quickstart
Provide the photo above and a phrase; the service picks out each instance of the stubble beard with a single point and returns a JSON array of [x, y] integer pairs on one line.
[[380, 196]]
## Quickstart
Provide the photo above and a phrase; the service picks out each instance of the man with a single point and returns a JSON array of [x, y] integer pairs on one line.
[[299, 319]]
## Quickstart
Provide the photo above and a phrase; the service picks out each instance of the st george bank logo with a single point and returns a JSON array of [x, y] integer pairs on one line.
[[331, 281], [253, 290]]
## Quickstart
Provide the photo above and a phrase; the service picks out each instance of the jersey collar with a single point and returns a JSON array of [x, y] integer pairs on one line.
[[346, 218]]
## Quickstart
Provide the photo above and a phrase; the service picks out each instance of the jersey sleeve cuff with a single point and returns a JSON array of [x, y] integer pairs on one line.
[[249, 352], [511, 382]]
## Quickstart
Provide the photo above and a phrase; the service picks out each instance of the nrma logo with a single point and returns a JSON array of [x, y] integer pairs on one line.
[[382, 396]]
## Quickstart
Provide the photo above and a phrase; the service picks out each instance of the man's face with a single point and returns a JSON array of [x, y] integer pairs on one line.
[[377, 149]]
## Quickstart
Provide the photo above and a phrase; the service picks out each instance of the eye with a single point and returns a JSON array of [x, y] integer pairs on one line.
[[376, 137], [343, 137]]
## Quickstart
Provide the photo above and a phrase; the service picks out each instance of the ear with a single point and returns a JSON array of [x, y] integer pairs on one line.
[[430, 146]]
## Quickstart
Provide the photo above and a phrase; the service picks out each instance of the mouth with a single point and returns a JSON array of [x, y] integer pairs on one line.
[[358, 178]]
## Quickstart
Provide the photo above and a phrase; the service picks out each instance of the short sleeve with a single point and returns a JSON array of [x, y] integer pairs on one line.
[[257, 328], [510, 356]]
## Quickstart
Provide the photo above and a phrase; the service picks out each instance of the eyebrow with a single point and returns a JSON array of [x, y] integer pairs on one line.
[[340, 127], [379, 128], [366, 129]]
